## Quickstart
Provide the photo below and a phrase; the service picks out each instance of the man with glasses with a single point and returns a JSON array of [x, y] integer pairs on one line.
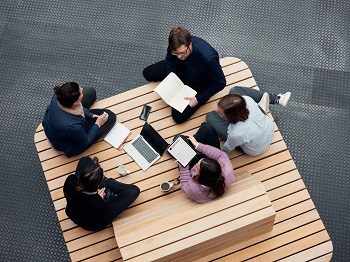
[[196, 63]]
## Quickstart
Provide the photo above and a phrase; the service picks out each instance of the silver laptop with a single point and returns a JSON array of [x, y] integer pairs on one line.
[[147, 147]]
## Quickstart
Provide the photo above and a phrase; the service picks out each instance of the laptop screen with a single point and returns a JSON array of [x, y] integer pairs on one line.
[[154, 138]]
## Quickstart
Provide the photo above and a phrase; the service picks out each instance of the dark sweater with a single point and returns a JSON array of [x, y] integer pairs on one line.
[[201, 70], [85, 210], [69, 133]]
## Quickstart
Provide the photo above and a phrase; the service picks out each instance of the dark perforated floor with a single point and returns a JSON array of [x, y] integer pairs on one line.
[[302, 46]]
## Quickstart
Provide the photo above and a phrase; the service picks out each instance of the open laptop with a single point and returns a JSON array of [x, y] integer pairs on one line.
[[147, 147]]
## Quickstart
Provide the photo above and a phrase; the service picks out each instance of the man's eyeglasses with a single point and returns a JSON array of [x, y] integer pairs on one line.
[[181, 53]]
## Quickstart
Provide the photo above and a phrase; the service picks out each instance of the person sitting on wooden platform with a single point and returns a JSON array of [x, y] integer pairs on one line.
[[93, 200], [69, 125], [196, 63], [241, 119], [210, 173]]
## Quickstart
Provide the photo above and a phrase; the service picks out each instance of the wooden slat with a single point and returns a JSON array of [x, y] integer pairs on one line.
[[127, 234], [91, 251], [316, 252], [197, 241]]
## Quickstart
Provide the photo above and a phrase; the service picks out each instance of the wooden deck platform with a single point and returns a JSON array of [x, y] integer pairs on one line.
[[298, 233], [175, 228]]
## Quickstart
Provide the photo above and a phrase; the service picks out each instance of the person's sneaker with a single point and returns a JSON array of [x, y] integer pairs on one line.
[[282, 99], [264, 102]]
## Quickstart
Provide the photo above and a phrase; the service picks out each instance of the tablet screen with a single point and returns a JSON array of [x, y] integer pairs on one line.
[[182, 151]]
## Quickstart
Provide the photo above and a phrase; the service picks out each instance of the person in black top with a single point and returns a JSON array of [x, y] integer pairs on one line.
[[93, 201], [196, 63]]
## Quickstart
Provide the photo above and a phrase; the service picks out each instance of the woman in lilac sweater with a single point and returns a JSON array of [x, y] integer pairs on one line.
[[211, 174]]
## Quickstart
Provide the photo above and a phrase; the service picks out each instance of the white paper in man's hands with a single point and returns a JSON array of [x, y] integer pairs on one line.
[[173, 91]]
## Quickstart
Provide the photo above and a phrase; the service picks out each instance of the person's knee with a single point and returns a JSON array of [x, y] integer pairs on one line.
[[90, 92], [238, 90], [208, 127], [155, 72], [147, 74], [134, 191], [211, 116], [235, 90], [179, 118], [112, 117]]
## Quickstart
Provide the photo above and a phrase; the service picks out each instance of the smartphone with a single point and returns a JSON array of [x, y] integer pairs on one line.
[[145, 112]]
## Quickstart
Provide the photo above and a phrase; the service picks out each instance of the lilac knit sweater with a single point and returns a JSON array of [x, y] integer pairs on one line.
[[196, 191]]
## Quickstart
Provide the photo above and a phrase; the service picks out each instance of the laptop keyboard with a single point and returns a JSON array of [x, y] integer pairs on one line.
[[144, 149]]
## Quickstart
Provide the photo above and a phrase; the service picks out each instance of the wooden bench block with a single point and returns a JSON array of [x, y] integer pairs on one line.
[[168, 231], [275, 169]]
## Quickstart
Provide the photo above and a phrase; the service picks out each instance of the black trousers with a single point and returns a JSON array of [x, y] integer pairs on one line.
[[89, 97], [206, 134], [104, 129], [157, 72]]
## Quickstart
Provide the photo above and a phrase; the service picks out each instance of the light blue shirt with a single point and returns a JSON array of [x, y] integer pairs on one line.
[[253, 135]]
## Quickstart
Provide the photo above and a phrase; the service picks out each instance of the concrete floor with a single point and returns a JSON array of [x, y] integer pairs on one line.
[[297, 46]]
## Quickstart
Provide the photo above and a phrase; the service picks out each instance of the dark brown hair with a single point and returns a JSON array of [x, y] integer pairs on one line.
[[90, 178], [210, 176], [179, 36], [234, 107], [67, 94]]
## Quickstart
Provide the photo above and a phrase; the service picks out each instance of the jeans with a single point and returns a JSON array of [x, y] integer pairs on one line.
[[256, 95]]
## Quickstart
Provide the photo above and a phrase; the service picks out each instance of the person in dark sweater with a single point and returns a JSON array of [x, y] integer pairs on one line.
[[93, 201], [196, 63], [68, 123]]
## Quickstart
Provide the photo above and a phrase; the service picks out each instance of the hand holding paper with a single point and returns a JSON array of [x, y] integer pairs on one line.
[[174, 93], [193, 101]]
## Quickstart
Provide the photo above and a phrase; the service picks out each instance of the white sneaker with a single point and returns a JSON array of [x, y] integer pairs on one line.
[[264, 102], [282, 99]]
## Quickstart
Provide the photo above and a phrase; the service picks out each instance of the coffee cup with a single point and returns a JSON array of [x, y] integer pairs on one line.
[[123, 171], [166, 186]]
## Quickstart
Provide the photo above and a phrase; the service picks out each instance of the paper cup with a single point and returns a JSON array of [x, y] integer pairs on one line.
[[123, 171]]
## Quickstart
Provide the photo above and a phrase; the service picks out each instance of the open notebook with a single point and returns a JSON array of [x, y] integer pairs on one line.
[[117, 135]]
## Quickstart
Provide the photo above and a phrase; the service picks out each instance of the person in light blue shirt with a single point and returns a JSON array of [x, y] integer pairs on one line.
[[241, 119]]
